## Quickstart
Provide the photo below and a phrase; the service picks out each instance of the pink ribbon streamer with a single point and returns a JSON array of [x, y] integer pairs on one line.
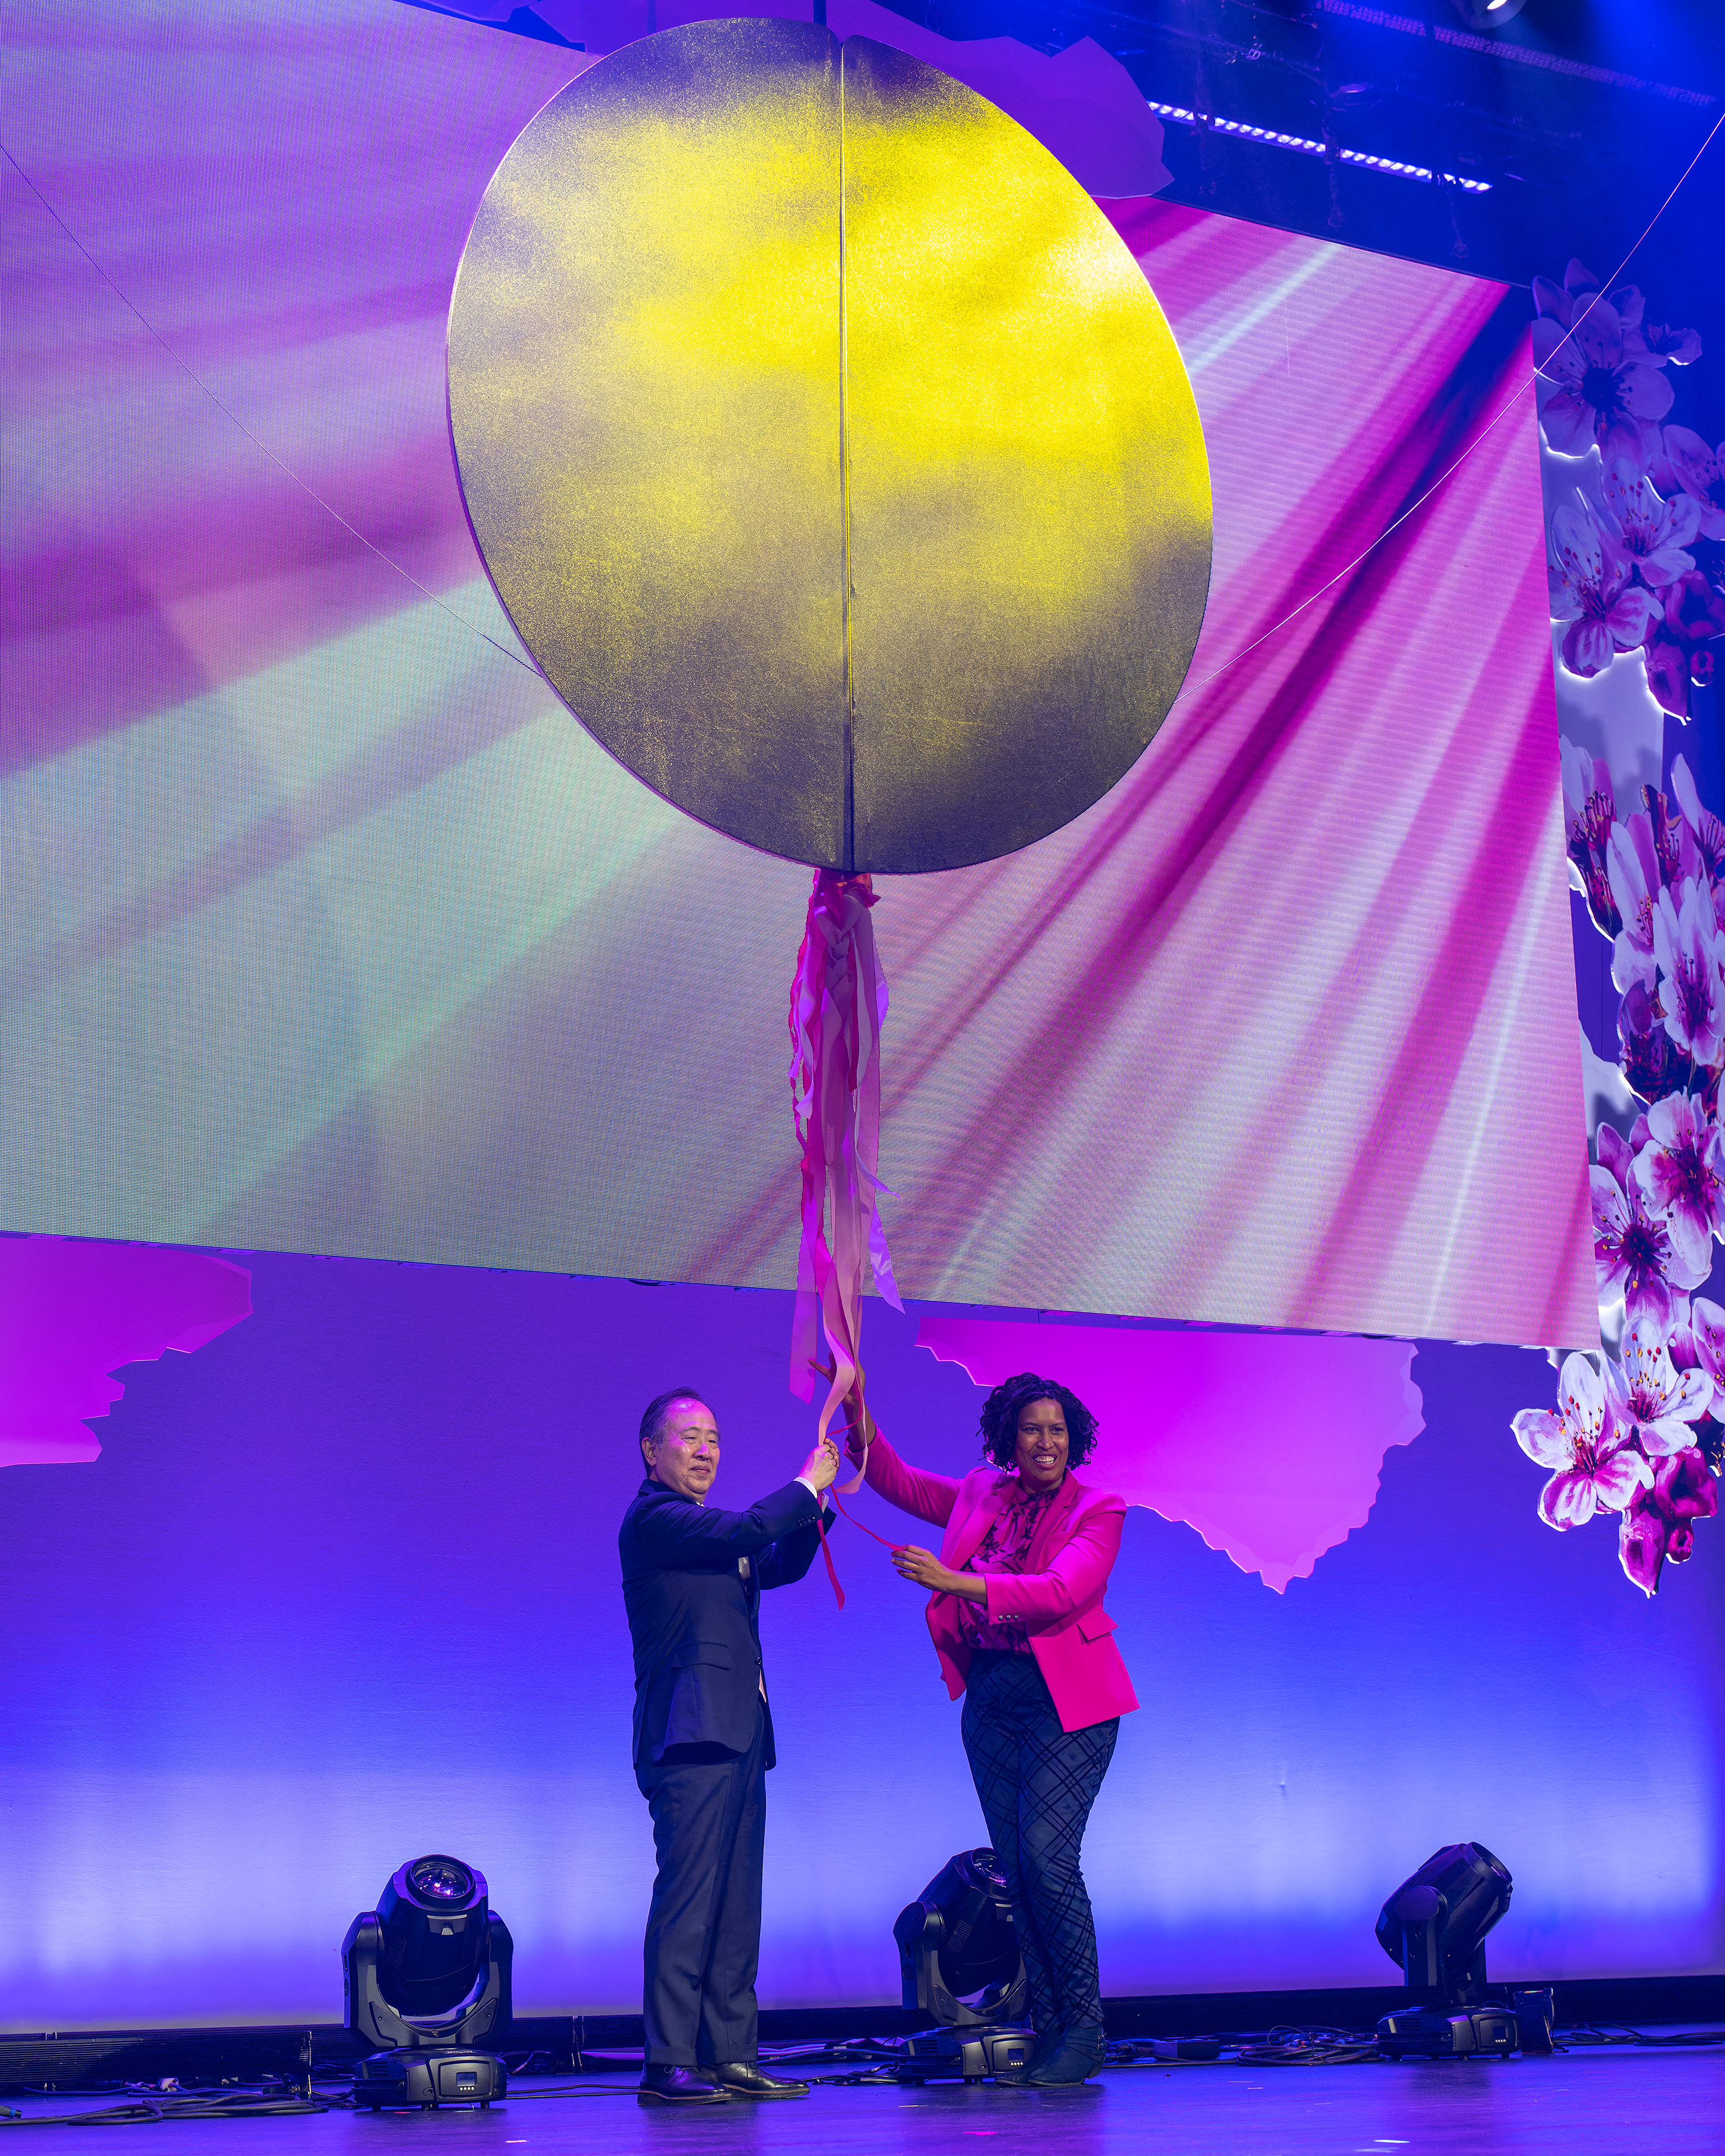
[[839, 1005]]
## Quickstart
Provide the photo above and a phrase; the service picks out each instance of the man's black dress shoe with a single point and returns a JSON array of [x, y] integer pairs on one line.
[[680, 2084], [745, 2078], [1074, 2062]]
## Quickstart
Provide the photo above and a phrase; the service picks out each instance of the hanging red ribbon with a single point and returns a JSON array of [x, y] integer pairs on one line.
[[845, 1514], [839, 1004], [821, 1523]]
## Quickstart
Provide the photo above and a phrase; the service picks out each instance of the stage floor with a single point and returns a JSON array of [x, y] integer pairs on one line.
[[1585, 2104]]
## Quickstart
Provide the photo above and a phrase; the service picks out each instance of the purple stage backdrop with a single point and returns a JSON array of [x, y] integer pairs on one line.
[[326, 928], [342, 1586]]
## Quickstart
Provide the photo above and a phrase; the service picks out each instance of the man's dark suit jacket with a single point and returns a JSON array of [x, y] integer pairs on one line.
[[694, 1619]]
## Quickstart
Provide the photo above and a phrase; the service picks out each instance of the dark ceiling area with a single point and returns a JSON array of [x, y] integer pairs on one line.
[[1559, 134], [1495, 139]]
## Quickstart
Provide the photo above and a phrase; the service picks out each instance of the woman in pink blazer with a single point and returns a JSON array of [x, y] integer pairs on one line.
[[1019, 1624]]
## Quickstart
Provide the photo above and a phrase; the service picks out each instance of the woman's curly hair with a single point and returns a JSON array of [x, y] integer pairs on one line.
[[1008, 1401]]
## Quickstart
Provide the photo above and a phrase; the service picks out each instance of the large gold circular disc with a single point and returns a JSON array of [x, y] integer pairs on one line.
[[828, 448]]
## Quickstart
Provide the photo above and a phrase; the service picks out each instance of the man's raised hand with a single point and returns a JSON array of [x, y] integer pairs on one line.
[[821, 1467]]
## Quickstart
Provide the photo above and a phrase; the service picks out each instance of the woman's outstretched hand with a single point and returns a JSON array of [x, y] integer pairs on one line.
[[859, 1431], [923, 1568]]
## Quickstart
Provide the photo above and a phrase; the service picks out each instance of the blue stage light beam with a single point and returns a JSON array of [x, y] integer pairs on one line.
[[1487, 14]]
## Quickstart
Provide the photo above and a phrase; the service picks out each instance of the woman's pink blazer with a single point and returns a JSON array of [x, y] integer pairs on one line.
[[1059, 1595]]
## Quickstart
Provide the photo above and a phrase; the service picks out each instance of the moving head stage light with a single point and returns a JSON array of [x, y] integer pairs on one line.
[[1435, 1925], [425, 1976], [960, 1962]]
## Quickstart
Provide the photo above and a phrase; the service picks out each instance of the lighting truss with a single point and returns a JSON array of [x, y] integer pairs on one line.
[[1307, 148]]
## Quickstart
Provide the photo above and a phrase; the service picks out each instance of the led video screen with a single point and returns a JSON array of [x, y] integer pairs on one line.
[[329, 929]]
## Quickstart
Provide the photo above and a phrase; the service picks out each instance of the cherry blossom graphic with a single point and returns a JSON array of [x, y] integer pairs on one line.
[[1659, 343], [1690, 947], [1589, 812], [1700, 472], [1636, 1257], [1680, 639], [1652, 1402], [1681, 1172], [1706, 828], [1644, 1053], [1593, 1467], [1635, 508], [1707, 1334], [1604, 392], [1653, 535], [1593, 589], [1659, 1523], [1633, 871]]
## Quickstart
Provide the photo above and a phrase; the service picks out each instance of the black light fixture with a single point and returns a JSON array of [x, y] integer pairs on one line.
[[426, 1978], [960, 1962], [1435, 1926]]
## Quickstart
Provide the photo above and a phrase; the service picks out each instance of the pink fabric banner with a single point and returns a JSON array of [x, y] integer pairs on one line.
[[839, 1004], [1269, 1444], [70, 1313]]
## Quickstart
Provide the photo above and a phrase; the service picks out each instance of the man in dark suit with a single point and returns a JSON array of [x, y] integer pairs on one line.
[[692, 1580]]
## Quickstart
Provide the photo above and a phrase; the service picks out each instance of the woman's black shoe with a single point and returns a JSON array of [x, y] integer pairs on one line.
[[747, 2079], [1072, 2063], [680, 2084]]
